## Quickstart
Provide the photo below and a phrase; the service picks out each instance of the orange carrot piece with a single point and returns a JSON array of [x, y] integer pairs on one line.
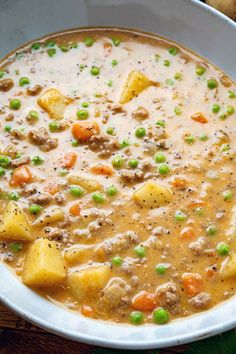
[[52, 188], [107, 47], [179, 182], [192, 283], [144, 301], [75, 209], [83, 131], [199, 117], [20, 176], [86, 310], [69, 160], [187, 233], [196, 203], [104, 170]]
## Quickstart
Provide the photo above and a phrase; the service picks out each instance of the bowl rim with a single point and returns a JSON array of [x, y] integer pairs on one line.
[[9, 297]]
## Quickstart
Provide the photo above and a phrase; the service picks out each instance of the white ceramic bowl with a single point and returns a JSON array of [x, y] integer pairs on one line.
[[188, 22]]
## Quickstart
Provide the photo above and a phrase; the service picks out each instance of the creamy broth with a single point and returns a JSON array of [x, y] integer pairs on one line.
[[118, 155]]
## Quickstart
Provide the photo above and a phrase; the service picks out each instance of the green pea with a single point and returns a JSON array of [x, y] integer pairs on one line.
[[222, 249], [15, 104], [203, 137], [32, 116], [178, 111], [136, 317], [35, 209], [124, 144], [212, 84], [225, 147], [159, 157], [2, 73], [215, 108], [190, 139], [232, 94], [82, 114], [88, 41], [211, 230], [110, 83], [81, 66], [180, 216], [140, 132], [167, 63], [76, 191], [50, 44], [2, 171], [116, 41], [37, 160], [223, 116], [199, 211], [75, 143], [164, 169], [230, 110], [111, 191], [117, 261], [173, 51], [54, 126], [7, 128], [160, 316], [24, 81], [161, 268], [227, 195], [13, 196], [170, 82], [95, 71], [98, 197], [36, 45], [133, 163], [161, 123], [85, 104], [64, 48], [140, 251], [51, 52], [178, 76], [110, 131], [114, 62], [4, 161], [200, 70], [16, 247], [117, 162], [63, 172]]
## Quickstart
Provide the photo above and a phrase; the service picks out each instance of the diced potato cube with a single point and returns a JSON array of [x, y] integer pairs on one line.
[[50, 216], [44, 264], [152, 195], [77, 254], [89, 281], [89, 185], [228, 268], [231, 232], [14, 224], [135, 84], [54, 103]]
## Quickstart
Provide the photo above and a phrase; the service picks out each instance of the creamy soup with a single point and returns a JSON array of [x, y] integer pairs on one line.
[[117, 175]]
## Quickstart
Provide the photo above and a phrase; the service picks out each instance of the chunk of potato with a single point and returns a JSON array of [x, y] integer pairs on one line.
[[231, 232], [44, 264], [152, 195], [89, 185], [54, 103], [135, 84], [77, 254], [228, 268], [88, 282], [14, 224], [50, 216]]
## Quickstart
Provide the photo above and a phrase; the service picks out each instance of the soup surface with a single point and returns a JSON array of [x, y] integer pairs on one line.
[[118, 175]]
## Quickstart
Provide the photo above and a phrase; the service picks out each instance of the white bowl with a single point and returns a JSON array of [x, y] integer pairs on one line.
[[190, 23]]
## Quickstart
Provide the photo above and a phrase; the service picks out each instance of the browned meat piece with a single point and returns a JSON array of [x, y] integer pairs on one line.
[[226, 81], [29, 190], [117, 109], [21, 161], [201, 300], [199, 246], [132, 176], [9, 117], [104, 145], [60, 199], [157, 132], [17, 134], [42, 139], [64, 223], [140, 113], [34, 91], [6, 85], [10, 151], [114, 291], [167, 296], [40, 198], [57, 235]]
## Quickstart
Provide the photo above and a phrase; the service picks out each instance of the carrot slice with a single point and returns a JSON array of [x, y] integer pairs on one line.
[[75, 209], [192, 283], [144, 301], [199, 117], [196, 203], [20, 176], [83, 131], [187, 233], [69, 160], [52, 188], [104, 170], [179, 182], [86, 310]]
